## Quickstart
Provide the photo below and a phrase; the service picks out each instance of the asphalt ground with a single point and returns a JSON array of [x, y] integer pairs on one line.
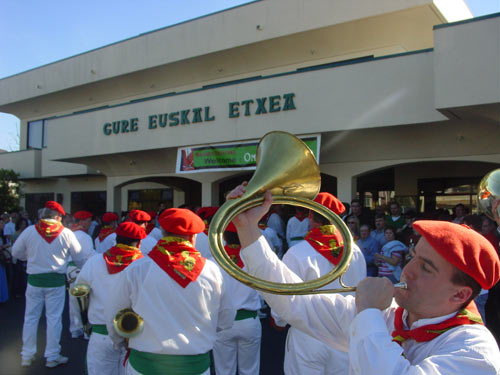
[[11, 323]]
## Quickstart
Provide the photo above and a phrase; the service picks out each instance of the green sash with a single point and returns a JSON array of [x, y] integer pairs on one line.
[[153, 364], [245, 314], [47, 280], [99, 328], [296, 238], [73, 264]]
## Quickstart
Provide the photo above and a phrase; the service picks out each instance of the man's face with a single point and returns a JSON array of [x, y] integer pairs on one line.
[[380, 223], [395, 210], [86, 223], [356, 208], [364, 232], [486, 227], [430, 290], [459, 211]]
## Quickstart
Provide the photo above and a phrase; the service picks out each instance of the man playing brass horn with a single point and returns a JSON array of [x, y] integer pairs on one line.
[[432, 327], [103, 273]]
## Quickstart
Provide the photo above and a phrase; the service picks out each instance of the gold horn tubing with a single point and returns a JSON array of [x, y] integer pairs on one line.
[[128, 323], [487, 192], [232, 208]]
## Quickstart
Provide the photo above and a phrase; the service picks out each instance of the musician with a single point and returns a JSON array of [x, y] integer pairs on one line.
[[202, 245], [107, 236], [431, 328], [102, 273], [316, 255], [182, 298], [237, 349], [47, 247], [142, 218], [80, 226]]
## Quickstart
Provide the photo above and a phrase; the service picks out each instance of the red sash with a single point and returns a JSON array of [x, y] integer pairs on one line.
[[327, 241], [120, 256], [469, 315], [49, 230], [234, 253], [301, 215], [179, 259], [105, 232]]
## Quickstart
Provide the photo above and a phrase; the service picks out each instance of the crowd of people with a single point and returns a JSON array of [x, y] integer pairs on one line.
[[139, 262]]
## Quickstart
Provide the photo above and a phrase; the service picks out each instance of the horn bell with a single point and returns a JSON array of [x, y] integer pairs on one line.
[[288, 168], [128, 323]]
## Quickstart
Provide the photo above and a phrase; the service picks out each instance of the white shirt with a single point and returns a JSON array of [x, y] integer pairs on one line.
[[331, 318], [147, 244], [203, 246], [178, 321], [85, 240], [296, 228], [43, 257], [276, 222], [106, 244], [102, 285], [273, 240], [156, 233]]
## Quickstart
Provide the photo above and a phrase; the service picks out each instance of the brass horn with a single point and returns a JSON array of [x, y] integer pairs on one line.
[[488, 191], [288, 168], [81, 293], [128, 323]]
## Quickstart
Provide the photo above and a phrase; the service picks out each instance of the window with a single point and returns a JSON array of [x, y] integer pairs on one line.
[[149, 199], [35, 201], [93, 201], [37, 134]]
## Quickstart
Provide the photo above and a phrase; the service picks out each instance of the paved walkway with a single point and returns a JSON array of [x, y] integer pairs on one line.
[[11, 322]]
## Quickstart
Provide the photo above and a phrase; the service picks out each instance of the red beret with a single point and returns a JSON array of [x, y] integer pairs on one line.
[[109, 217], [130, 230], [152, 214], [207, 212], [82, 215], [55, 207], [138, 216], [330, 201], [181, 221], [464, 248]]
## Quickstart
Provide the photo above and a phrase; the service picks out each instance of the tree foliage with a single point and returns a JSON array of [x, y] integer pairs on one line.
[[9, 190]]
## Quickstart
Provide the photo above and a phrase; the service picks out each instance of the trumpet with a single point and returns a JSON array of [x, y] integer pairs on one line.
[[81, 293], [286, 167], [128, 323]]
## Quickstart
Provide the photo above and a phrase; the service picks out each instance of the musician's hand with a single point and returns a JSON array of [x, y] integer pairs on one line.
[[247, 222], [374, 292]]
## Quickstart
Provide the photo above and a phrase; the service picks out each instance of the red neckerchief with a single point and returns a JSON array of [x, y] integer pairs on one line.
[[327, 241], [49, 229], [76, 227], [149, 228], [301, 215], [105, 232], [234, 253], [179, 259], [120, 256], [262, 226], [469, 315]]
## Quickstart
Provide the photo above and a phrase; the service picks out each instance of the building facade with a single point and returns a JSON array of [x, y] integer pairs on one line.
[[401, 104]]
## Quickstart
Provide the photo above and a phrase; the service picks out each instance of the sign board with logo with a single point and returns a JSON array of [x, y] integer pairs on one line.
[[228, 156]]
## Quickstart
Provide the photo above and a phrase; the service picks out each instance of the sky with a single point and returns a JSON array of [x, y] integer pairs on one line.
[[34, 33]]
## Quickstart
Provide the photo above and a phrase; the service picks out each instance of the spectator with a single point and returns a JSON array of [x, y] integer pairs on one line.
[[4, 289], [357, 211], [391, 257], [394, 219], [460, 212], [369, 247], [353, 225], [19, 266], [378, 232]]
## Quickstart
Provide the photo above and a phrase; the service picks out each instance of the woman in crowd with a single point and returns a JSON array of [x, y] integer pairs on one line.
[[353, 225], [391, 256]]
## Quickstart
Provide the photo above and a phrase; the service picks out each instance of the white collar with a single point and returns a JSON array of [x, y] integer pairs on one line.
[[427, 321]]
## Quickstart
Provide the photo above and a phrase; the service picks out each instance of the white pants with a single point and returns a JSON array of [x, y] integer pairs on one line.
[[238, 347], [102, 358], [131, 371], [36, 298], [306, 355], [75, 319]]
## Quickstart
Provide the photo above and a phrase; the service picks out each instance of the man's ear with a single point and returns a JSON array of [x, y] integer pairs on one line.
[[462, 294]]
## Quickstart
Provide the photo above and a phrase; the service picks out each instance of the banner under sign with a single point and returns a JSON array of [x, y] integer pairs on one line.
[[227, 157]]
